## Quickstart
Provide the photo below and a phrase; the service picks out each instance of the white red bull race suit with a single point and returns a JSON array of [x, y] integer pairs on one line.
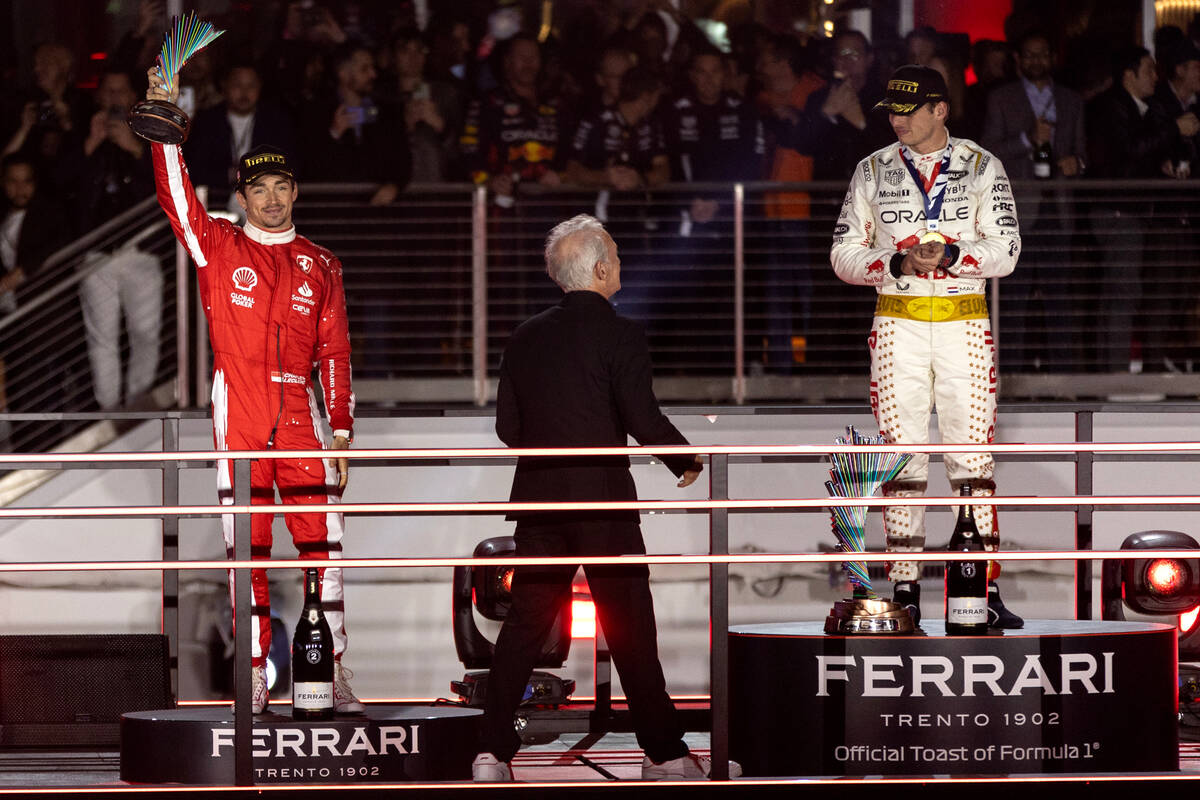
[[931, 341], [276, 308]]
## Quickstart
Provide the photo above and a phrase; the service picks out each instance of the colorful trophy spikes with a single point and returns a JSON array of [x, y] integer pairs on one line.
[[861, 474]]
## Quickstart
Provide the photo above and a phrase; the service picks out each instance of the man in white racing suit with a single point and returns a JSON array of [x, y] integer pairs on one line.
[[927, 221]]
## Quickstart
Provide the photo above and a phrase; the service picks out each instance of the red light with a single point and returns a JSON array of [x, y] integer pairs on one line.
[[1165, 576], [100, 56], [505, 579], [1187, 620], [583, 619]]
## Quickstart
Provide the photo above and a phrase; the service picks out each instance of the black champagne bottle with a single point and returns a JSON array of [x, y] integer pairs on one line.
[[966, 581], [312, 657]]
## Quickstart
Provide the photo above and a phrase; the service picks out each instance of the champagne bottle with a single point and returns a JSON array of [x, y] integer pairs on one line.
[[1043, 160], [966, 581], [312, 657]]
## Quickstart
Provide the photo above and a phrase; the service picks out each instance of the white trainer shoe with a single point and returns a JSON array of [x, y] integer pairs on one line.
[[689, 767], [344, 701], [486, 768]]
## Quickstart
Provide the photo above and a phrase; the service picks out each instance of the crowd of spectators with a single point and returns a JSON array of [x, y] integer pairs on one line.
[[612, 101]]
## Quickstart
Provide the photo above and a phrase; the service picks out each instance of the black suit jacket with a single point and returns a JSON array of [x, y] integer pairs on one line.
[[46, 228], [1168, 106], [381, 155], [1123, 143], [209, 149], [1009, 114], [578, 375]]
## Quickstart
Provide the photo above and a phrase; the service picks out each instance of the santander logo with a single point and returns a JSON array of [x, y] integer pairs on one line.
[[244, 279], [305, 290]]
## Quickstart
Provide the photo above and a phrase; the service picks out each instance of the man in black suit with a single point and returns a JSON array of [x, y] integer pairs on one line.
[[1126, 139], [578, 375], [224, 133], [1041, 325], [1172, 285]]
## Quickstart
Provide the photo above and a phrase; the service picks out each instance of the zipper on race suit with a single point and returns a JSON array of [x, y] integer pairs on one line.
[[279, 364]]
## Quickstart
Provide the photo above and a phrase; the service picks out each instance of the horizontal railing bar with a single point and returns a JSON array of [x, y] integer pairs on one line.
[[696, 559], [559, 452], [502, 507], [670, 409]]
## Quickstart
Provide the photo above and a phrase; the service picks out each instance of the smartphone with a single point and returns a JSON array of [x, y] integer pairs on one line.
[[421, 92], [358, 115]]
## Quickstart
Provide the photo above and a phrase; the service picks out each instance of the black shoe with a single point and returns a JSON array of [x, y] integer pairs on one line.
[[908, 596], [998, 614]]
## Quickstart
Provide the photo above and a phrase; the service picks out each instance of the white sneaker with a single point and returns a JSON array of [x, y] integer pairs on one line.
[[486, 768], [259, 695], [689, 767], [344, 701]]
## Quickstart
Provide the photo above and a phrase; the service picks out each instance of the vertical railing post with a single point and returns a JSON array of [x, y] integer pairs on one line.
[[183, 384], [1084, 462], [739, 293], [479, 293], [243, 761], [170, 550], [718, 579]]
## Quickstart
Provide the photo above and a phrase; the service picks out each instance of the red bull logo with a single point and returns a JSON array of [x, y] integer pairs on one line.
[[530, 152]]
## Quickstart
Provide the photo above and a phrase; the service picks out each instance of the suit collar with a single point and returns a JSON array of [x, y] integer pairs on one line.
[[584, 297], [269, 237]]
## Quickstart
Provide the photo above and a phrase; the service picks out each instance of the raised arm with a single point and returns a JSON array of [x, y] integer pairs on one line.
[[198, 232]]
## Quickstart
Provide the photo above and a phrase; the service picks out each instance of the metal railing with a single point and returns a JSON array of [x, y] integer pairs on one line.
[[44, 342], [744, 308]]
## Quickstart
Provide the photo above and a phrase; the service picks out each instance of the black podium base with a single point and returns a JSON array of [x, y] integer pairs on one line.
[[1059, 696], [389, 743]]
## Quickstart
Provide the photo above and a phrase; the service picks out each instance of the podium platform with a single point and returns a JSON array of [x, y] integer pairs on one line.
[[389, 743], [1059, 696]]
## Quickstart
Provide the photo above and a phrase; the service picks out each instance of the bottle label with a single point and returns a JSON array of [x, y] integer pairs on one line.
[[312, 696], [966, 610], [1041, 169]]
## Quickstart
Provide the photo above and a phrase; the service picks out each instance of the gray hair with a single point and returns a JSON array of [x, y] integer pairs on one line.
[[573, 248]]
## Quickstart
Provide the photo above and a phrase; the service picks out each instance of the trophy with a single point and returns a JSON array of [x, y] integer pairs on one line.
[[861, 475], [158, 120]]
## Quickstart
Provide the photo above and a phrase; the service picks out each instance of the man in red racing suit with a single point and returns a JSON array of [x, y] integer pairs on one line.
[[276, 308]]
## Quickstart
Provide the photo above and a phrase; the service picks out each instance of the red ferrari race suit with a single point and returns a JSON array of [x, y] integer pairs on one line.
[[931, 342], [275, 308]]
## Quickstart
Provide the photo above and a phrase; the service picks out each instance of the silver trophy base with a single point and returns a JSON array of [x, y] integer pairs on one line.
[[868, 615]]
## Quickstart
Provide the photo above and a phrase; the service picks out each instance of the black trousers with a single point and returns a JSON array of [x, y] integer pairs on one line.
[[625, 611]]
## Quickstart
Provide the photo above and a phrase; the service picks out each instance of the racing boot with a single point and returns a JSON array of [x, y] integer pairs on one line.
[[999, 616]]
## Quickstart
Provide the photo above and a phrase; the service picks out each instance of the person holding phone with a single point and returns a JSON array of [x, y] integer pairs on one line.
[[354, 136]]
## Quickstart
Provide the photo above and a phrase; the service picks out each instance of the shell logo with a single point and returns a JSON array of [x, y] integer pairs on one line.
[[305, 290], [244, 279]]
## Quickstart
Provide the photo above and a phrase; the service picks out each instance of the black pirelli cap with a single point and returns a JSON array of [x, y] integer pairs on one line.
[[265, 159]]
